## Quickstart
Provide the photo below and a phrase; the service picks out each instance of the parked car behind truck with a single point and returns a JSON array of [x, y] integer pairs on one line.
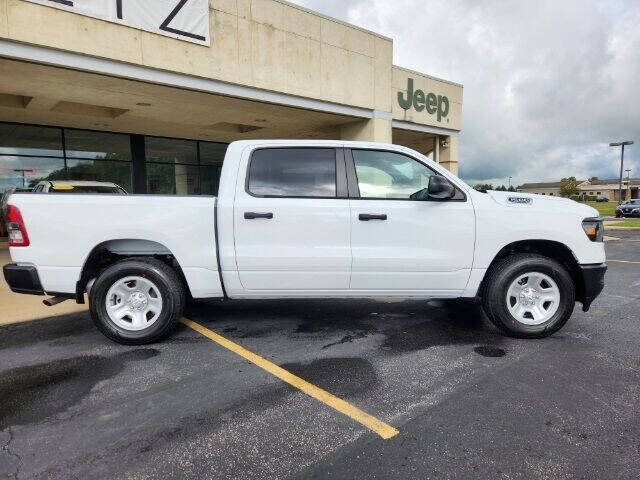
[[630, 208], [78, 186], [311, 219]]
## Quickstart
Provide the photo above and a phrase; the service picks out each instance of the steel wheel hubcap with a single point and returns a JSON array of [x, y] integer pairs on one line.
[[134, 303], [533, 298]]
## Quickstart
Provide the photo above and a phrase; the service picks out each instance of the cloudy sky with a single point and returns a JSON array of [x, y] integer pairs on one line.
[[547, 84]]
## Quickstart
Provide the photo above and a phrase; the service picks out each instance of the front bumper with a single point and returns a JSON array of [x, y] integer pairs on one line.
[[23, 279], [592, 283]]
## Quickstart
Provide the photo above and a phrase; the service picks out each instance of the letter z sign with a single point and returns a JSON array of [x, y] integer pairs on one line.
[[183, 19]]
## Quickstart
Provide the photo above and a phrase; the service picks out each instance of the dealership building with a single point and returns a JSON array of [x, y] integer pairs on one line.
[[149, 93]]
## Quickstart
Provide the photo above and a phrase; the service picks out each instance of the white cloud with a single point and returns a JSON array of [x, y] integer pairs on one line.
[[548, 84]]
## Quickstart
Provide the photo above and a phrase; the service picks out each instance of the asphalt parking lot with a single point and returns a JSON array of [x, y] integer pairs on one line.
[[467, 401]]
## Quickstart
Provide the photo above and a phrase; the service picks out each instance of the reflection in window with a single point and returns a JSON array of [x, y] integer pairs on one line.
[[97, 145], [211, 160], [167, 179], [209, 180], [212, 153], [28, 171], [170, 150], [99, 171], [293, 172], [389, 175], [18, 139]]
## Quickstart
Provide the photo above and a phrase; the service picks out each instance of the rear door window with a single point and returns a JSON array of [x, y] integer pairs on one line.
[[293, 172]]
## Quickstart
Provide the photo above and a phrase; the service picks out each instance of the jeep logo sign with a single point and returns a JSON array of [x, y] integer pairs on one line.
[[419, 100], [182, 19]]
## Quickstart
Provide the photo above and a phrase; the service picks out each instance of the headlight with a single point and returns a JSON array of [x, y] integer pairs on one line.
[[593, 228]]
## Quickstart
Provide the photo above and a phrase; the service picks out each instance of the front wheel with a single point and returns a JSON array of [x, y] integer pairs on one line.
[[137, 301], [529, 296]]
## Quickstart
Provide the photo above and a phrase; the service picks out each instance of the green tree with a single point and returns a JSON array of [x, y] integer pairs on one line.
[[100, 170], [483, 187], [569, 187]]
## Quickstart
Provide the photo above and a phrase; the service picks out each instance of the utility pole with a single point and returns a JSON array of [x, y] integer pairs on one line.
[[621, 144], [23, 171]]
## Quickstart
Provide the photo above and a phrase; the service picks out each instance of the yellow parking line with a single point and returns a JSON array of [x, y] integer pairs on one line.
[[372, 423], [623, 261]]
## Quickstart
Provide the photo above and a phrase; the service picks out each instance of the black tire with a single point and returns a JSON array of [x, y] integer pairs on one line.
[[504, 273], [162, 276]]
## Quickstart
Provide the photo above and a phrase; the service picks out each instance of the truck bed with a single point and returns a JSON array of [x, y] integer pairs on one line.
[[65, 229]]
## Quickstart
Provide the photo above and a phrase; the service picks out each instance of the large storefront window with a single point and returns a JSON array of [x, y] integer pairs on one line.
[[97, 145], [98, 157], [25, 172], [31, 153], [211, 159], [183, 167], [28, 140], [100, 171], [28, 153]]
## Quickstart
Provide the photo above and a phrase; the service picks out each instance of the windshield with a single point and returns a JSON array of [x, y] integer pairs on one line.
[[87, 189]]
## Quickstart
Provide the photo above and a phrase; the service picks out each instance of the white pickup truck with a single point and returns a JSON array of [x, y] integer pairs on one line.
[[309, 219]]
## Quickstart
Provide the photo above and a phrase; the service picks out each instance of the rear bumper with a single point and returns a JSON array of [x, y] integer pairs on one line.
[[593, 283], [23, 279]]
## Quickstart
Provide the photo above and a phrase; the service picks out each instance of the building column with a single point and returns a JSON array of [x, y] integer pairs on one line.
[[448, 154], [370, 130], [138, 154]]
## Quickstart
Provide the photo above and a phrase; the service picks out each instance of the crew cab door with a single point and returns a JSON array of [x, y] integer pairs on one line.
[[292, 221], [400, 245]]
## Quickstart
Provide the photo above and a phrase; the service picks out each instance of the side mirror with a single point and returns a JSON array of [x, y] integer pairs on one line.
[[440, 188]]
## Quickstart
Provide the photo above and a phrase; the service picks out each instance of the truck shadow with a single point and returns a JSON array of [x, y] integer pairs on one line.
[[401, 325]]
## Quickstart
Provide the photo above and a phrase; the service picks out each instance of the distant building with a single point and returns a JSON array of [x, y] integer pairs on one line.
[[608, 188], [549, 188]]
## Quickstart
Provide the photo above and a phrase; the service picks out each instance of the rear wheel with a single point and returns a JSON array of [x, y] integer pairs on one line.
[[529, 296], [137, 301]]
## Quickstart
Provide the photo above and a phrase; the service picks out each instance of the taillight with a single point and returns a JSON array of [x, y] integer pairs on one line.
[[18, 236]]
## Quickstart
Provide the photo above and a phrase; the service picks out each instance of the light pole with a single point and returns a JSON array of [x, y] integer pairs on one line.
[[621, 144]]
